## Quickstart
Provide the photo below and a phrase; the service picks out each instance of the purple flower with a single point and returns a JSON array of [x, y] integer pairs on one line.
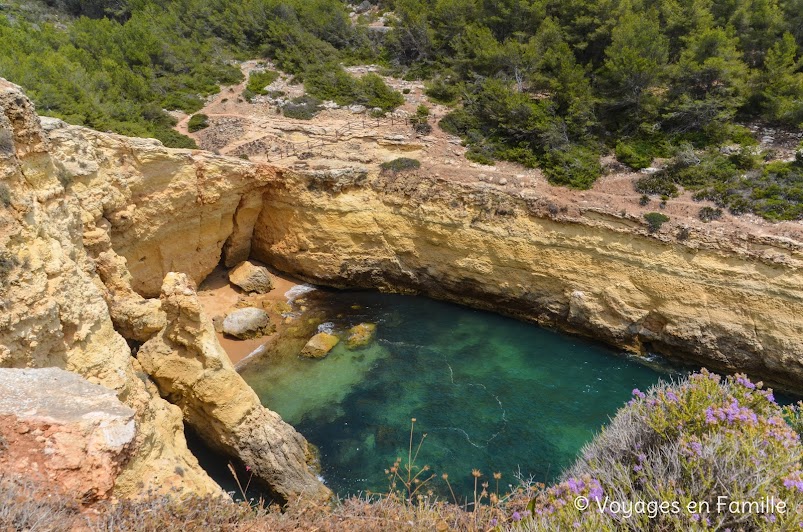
[[595, 493], [516, 516], [794, 480], [493, 522], [638, 393], [670, 395], [744, 381]]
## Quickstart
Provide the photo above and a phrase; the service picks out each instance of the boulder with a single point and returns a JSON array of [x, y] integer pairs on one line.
[[320, 345], [361, 335], [61, 430], [251, 277], [246, 323]]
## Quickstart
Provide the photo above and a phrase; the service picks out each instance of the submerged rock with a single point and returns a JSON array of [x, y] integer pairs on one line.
[[361, 335], [246, 323], [320, 345], [58, 428], [251, 277]]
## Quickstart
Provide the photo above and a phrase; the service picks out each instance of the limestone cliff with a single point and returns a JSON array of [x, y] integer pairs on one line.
[[90, 223], [724, 302], [193, 372], [53, 310]]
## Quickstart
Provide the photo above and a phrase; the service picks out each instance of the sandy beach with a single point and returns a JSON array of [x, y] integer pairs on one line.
[[219, 297]]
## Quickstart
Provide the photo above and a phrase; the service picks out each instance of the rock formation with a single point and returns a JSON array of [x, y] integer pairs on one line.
[[246, 323], [91, 223], [193, 372], [251, 277], [319, 345], [53, 312], [361, 335], [59, 429]]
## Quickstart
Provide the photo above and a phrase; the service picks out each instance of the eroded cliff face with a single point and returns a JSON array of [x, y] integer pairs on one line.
[[54, 313], [90, 224], [730, 304]]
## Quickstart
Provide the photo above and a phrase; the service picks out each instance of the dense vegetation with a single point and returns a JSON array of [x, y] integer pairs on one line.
[[556, 84], [121, 63], [547, 83]]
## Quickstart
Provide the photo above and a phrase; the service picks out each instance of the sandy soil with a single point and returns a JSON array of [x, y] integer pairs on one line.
[[339, 138], [219, 297]]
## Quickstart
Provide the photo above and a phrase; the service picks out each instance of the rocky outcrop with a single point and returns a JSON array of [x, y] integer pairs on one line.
[[163, 209], [727, 302], [59, 429], [319, 345], [251, 277], [246, 323], [53, 311], [193, 372]]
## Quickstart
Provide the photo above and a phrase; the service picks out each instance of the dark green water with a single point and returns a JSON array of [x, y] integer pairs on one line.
[[490, 392]]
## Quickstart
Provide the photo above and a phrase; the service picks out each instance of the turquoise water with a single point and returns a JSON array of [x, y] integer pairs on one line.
[[490, 392]]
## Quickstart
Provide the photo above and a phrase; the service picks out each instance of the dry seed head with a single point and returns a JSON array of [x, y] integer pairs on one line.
[[476, 473]]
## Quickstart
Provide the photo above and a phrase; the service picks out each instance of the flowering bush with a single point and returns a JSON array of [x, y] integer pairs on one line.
[[697, 446]]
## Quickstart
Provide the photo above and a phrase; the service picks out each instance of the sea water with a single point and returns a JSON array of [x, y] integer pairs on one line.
[[490, 393]]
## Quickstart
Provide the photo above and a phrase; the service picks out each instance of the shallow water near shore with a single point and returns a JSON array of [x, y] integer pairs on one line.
[[490, 392]]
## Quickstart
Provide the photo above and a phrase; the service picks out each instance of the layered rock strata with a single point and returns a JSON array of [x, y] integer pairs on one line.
[[729, 303]]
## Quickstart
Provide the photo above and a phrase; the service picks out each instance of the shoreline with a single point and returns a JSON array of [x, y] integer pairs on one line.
[[219, 297]]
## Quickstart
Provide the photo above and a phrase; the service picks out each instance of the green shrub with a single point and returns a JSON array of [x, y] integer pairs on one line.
[[422, 128], [632, 154], [697, 440], [405, 91], [197, 122], [331, 82], [173, 139], [659, 183], [302, 108], [402, 164], [458, 122], [443, 89], [655, 220], [523, 156], [258, 80], [480, 156], [576, 166], [374, 92], [708, 214], [422, 112], [644, 200]]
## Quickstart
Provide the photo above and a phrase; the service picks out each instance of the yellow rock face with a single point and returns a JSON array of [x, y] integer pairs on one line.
[[727, 304], [194, 372], [55, 308]]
